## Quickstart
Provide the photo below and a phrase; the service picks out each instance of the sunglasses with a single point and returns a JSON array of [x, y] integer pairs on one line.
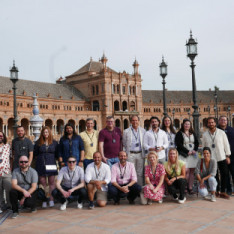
[[23, 162], [71, 161]]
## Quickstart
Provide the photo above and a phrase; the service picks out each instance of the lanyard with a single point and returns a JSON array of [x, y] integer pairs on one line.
[[155, 137], [136, 136], [173, 172], [71, 178], [112, 135], [122, 174], [188, 136], [154, 173], [99, 171], [212, 138], [91, 138]]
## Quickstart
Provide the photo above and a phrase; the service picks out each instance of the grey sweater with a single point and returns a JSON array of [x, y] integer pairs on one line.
[[212, 170]]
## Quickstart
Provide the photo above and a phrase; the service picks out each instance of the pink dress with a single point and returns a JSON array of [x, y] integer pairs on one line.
[[148, 193]]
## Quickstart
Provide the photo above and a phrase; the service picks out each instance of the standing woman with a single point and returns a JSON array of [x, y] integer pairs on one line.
[[154, 179], [45, 150], [187, 146], [167, 126]]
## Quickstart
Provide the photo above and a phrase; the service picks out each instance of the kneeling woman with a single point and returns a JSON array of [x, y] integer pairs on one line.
[[175, 175], [154, 178], [205, 172]]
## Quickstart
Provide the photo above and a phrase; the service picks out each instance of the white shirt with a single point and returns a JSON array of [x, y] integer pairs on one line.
[[219, 139], [103, 174], [156, 139]]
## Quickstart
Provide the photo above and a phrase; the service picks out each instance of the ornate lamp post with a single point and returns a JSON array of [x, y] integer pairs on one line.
[[229, 115], [163, 74], [208, 109], [216, 103], [189, 113], [14, 78], [191, 45], [173, 115]]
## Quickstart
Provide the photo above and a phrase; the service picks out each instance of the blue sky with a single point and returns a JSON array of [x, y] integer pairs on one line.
[[49, 39]]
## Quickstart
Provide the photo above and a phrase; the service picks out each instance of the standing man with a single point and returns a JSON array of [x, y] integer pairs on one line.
[[70, 182], [21, 145], [110, 142], [90, 139], [5, 172], [97, 177], [133, 146], [156, 139], [223, 125], [123, 180], [217, 141], [24, 185], [70, 145]]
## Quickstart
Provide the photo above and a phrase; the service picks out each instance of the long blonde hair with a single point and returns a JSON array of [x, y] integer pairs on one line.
[[169, 165]]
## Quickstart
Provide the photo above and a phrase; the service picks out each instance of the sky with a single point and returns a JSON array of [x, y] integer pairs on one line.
[[49, 39]]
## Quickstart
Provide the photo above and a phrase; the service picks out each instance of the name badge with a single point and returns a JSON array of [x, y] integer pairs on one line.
[[51, 167], [113, 140], [91, 144], [190, 145], [171, 143], [137, 144], [213, 146], [121, 177]]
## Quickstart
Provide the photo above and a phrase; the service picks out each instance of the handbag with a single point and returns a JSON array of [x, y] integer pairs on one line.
[[49, 168]]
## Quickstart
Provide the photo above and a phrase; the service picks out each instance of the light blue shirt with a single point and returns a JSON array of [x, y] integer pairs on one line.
[[135, 140]]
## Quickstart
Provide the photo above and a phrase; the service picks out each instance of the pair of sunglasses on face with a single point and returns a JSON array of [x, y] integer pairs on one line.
[[21, 162], [71, 161]]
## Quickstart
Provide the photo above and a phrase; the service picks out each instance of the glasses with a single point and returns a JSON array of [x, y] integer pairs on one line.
[[71, 161], [23, 162]]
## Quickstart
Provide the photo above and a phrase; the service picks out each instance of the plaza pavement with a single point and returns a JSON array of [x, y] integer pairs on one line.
[[195, 216]]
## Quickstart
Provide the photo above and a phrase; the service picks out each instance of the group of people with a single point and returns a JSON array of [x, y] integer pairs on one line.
[[109, 165]]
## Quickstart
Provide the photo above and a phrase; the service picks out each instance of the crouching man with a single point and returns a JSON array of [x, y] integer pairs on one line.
[[24, 186], [70, 185], [97, 177], [123, 180]]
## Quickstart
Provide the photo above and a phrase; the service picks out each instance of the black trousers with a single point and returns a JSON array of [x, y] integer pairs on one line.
[[15, 196], [230, 174], [79, 194], [180, 185], [223, 172], [116, 194]]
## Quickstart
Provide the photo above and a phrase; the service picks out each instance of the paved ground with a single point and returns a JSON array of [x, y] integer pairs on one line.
[[195, 216]]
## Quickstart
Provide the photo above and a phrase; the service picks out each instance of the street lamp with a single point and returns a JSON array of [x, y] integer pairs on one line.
[[163, 74], [216, 103], [173, 114], [14, 78], [229, 115], [208, 109], [189, 113], [191, 45]]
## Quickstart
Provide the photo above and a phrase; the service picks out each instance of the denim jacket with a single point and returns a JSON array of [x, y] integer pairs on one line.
[[71, 147]]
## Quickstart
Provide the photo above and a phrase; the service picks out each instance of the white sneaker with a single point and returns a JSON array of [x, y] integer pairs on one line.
[[213, 198], [44, 205], [149, 202], [79, 205], [160, 201], [64, 206], [182, 201], [51, 203], [208, 197]]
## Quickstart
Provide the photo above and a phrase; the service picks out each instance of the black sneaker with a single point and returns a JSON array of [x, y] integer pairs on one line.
[[34, 210], [91, 205], [14, 215]]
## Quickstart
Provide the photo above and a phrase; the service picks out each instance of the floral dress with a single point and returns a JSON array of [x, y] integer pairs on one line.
[[154, 179]]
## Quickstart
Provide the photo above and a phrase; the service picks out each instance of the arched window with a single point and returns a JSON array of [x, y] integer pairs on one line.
[[124, 105], [96, 105], [116, 105]]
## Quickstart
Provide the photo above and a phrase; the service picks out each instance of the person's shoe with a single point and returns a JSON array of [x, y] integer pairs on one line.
[[131, 202], [207, 197], [175, 198], [217, 194], [33, 210], [182, 201], [91, 205], [116, 203], [224, 195], [79, 205], [14, 215], [213, 198], [191, 192], [229, 193], [51, 203], [160, 201], [149, 202], [1, 211], [64, 206], [44, 205]]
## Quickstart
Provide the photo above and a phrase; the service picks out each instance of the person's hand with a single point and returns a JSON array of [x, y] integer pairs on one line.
[[158, 149], [80, 164], [172, 180], [190, 152], [228, 161], [62, 164], [155, 190], [70, 191], [65, 194], [26, 194], [98, 184], [193, 152], [152, 149], [151, 187], [22, 201], [104, 159], [202, 185], [125, 189]]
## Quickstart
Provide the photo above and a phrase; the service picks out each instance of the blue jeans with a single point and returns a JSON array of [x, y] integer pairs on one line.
[[211, 183], [112, 161], [87, 162]]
